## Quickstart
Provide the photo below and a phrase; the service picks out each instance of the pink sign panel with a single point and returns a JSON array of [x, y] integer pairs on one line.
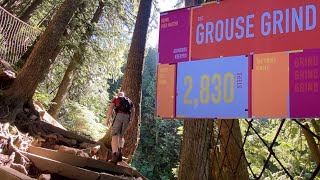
[[174, 36], [305, 84]]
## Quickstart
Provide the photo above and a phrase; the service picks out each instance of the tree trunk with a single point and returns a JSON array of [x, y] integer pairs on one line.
[[27, 13], [9, 5], [231, 166], [188, 3], [4, 2], [64, 87], [316, 126], [38, 63], [132, 79], [315, 152], [68, 77], [195, 156]]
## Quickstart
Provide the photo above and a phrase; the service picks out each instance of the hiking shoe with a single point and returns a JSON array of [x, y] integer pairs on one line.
[[120, 154], [114, 159]]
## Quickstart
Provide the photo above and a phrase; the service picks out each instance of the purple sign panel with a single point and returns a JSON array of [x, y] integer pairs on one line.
[[174, 36], [305, 84], [213, 88]]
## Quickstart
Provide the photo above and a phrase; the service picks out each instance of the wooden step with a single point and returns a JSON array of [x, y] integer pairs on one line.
[[7, 173], [84, 162], [67, 170]]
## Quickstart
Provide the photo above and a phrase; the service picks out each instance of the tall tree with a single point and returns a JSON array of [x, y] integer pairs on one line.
[[232, 162], [132, 79], [74, 62], [27, 13], [34, 71], [195, 161], [4, 2], [316, 126], [8, 5], [196, 155], [313, 146]]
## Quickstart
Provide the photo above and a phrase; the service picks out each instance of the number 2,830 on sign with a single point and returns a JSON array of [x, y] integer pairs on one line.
[[215, 88]]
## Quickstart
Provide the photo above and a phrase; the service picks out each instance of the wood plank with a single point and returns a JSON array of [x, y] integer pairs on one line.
[[105, 176], [85, 162], [7, 173], [66, 170]]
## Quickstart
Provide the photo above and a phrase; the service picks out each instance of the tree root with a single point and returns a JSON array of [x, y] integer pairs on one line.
[[103, 153], [10, 155], [19, 158], [19, 168]]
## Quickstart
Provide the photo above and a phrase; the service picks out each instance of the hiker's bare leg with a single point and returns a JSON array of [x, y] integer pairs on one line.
[[121, 141], [115, 143]]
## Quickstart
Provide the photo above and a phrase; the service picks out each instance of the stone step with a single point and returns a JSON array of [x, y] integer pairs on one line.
[[84, 162]]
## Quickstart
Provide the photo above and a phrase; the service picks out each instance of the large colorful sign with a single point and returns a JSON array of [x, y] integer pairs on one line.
[[174, 36], [166, 91], [203, 71], [270, 85], [305, 84], [213, 88], [261, 26]]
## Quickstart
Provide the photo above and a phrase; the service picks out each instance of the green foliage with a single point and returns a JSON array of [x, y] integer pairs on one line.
[[42, 97], [158, 151], [290, 148], [102, 57], [80, 119], [44, 11]]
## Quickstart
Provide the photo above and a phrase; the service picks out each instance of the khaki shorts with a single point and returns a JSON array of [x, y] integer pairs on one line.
[[120, 124]]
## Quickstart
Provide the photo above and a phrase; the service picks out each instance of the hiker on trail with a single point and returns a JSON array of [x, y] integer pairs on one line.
[[125, 110]]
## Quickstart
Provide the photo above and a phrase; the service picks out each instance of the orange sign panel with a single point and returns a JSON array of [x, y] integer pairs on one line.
[[166, 91], [270, 85]]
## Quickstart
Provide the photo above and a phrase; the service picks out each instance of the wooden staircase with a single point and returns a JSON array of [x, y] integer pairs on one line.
[[69, 166]]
